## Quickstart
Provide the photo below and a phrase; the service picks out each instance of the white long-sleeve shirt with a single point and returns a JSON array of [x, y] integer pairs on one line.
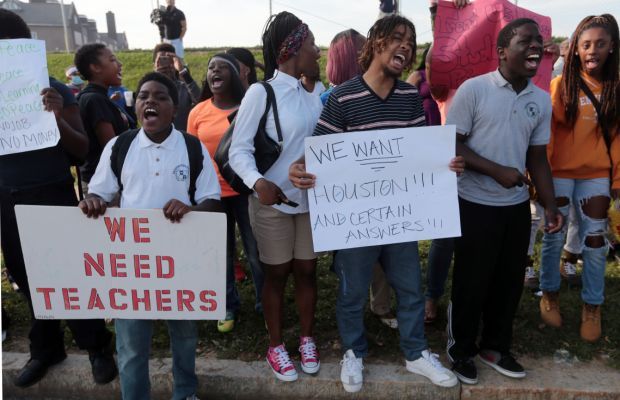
[[298, 112]]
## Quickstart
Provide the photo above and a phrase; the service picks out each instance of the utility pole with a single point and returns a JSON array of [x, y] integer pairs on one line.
[[270, 9], [64, 25]]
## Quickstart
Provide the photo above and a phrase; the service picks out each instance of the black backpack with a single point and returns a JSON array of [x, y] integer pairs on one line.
[[194, 154], [266, 150]]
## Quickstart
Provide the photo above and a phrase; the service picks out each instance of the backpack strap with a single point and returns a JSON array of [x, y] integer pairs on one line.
[[597, 106], [599, 116], [119, 153], [271, 101], [194, 154]]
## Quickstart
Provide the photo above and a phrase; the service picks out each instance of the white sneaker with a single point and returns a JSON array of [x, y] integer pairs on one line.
[[351, 372], [429, 366]]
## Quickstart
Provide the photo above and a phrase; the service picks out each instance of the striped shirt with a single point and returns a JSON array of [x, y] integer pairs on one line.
[[353, 106]]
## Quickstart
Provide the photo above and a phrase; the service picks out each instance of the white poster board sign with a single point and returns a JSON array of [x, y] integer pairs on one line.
[[24, 124], [124, 264], [382, 186]]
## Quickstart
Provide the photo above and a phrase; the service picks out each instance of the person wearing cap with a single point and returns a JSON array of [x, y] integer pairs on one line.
[[74, 81]]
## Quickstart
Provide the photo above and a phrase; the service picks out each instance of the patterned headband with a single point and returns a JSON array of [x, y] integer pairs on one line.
[[291, 45], [233, 66]]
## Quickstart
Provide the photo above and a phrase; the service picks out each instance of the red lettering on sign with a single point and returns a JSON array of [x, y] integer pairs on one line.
[[159, 262], [66, 295], [138, 267], [90, 263], [146, 300], [46, 296], [115, 228], [138, 230], [162, 301], [116, 265], [211, 304], [185, 298], [113, 303], [95, 301]]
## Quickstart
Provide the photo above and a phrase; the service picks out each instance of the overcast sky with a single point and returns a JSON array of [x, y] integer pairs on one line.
[[240, 22]]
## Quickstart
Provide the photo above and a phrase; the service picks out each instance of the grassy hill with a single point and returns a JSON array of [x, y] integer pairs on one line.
[[137, 63]]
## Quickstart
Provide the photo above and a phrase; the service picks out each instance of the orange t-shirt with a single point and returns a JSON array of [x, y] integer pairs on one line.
[[579, 151], [209, 123]]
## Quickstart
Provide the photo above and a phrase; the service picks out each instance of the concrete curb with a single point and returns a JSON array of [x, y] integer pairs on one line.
[[232, 379]]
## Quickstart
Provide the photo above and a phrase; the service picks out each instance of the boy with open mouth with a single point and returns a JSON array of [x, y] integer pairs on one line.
[[151, 179]]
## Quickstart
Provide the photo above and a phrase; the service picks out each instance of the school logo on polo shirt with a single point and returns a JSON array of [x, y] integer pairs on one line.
[[181, 172], [532, 110]]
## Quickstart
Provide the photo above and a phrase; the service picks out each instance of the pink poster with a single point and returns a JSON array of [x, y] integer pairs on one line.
[[465, 41]]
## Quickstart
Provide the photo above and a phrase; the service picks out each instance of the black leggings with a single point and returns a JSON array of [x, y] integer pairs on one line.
[[489, 267]]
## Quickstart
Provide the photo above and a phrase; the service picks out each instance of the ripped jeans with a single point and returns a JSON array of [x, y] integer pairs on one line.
[[577, 191]]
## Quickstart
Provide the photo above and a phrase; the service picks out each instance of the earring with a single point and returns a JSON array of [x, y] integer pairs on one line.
[[611, 51]]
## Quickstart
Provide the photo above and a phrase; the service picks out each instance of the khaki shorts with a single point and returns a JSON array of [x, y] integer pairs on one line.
[[280, 237]]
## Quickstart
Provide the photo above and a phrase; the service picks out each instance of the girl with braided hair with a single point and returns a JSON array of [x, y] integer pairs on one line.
[[278, 211], [584, 154]]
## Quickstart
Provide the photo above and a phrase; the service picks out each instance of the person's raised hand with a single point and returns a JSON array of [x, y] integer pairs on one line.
[[460, 3], [510, 177], [268, 192], [93, 206], [175, 209], [299, 177], [554, 220], [552, 48], [457, 164], [52, 101]]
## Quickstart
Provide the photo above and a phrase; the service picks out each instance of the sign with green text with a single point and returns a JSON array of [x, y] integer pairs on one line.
[[24, 124]]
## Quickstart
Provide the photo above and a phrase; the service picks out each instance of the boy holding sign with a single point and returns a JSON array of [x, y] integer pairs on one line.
[[155, 174], [378, 99], [502, 121], [43, 177]]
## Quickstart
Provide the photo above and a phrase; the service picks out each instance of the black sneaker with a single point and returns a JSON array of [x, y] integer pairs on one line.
[[505, 364], [466, 371], [103, 365]]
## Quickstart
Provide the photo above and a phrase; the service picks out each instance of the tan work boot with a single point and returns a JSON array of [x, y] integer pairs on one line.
[[590, 322], [550, 309]]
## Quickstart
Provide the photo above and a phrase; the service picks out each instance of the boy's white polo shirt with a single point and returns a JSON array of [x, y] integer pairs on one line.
[[154, 173]]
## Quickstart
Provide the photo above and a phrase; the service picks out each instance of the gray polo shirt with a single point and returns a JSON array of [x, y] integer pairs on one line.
[[500, 125]]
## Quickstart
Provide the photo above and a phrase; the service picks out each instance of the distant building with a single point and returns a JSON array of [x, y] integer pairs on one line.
[[44, 18]]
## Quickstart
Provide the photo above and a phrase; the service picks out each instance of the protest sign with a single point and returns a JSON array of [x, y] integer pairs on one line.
[[465, 42], [382, 186], [24, 124], [124, 264]]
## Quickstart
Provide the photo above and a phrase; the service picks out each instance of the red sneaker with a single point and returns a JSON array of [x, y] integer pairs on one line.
[[310, 362], [280, 363]]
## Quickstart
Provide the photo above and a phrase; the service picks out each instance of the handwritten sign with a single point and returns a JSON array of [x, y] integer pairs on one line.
[[465, 41], [125, 264], [381, 187], [24, 124]]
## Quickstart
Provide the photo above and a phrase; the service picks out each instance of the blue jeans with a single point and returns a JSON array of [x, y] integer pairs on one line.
[[401, 264], [577, 191], [439, 260], [133, 345], [236, 208]]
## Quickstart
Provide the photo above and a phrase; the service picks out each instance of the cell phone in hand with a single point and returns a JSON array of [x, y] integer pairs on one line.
[[164, 61]]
